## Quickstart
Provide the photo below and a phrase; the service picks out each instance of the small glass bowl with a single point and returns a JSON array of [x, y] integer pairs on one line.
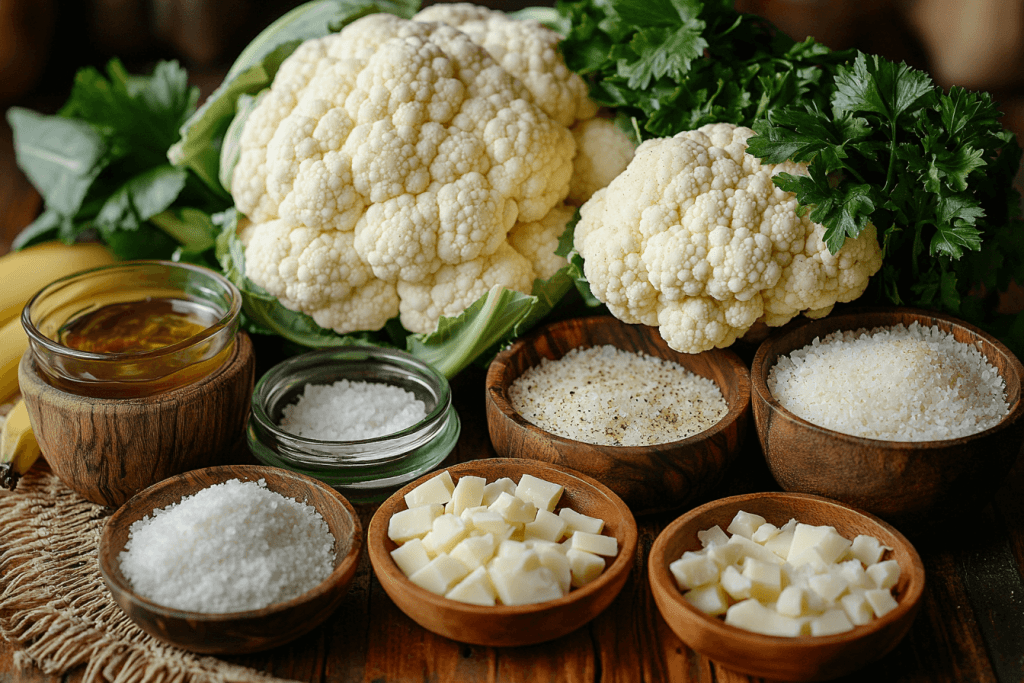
[[367, 470]]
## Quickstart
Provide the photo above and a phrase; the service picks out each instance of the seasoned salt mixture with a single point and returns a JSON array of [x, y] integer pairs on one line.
[[351, 411], [231, 547], [607, 396], [897, 383]]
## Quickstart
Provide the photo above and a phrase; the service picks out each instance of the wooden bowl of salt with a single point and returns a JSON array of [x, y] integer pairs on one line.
[[650, 477], [286, 539]]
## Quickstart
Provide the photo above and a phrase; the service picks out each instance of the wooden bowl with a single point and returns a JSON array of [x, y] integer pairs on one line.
[[803, 658], [913, 485], [650, 479], [501, 625], [237, 632]]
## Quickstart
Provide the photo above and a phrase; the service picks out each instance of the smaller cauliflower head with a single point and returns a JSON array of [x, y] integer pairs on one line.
[[602, 152], [695, 238]]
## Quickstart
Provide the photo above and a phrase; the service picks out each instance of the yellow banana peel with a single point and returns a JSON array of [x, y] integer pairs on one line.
[[13, 344], [18, 446]]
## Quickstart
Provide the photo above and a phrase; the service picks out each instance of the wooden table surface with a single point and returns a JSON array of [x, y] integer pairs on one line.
[[970, 628]]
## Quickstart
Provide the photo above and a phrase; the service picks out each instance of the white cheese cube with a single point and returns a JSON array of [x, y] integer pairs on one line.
[[853, 572], [584, 566], [832, 621], [712, 536], [725, 554], [475, 589], [410, 556], [748, 548], [709, 599], [547, 526], [810, 559], [765, 579], [542, 544], [495, 488], [735, 584], [829, 585], [488, 521], [434, 490], [514, 510], [598, 544], [867, 549], [446, 532], [753, 616], [881, 601], [521, 579], [884, 574], [856, 607], [413, 523], [511, 548], [543, 494], [468, 492], [744, 524], [440, 574], [555, 560], [782, 541], [693, 570], [825, 539], [576, 521], [474, 551], [792, 602], [765, 533]]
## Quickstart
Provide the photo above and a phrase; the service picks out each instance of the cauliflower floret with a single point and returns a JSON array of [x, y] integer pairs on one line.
[[404, 151], [695, 238], [538, 240], [602, 152]]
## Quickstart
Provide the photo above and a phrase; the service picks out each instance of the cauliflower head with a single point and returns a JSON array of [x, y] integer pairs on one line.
[[693, 237], [387, 164]]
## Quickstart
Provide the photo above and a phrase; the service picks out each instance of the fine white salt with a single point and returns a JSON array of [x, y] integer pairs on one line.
[[900, 383], [351, 411], [231, 547], [608, 396]]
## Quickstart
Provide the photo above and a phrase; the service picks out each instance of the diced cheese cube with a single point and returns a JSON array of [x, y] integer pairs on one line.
[[488, 521], [792, 602], [413, 523], [584, 566], [853, 572], [881, 601], [781, 542], [547, 526], [598, 544], [576, 521], [725, 554], [765, 533], [825, 539], [554, 559], [474, 551], [543, 494], [744, 524], [440, 574], [867, 549], [748, 548], [709, 599], [765, 579], [475, 589], [753, 616], [856, 607], [832, 621], [521, 579], [510, 548], [829, 585], [446, 532], [468, 492], [495, 488], [884, 574], [434, 490], [410, 556], [693, 570], [514, 510], [809, 558], [712, 536], [734, 583]]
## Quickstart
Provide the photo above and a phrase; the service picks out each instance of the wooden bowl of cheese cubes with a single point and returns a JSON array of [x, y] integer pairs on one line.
[[786, 586], [502, 552]]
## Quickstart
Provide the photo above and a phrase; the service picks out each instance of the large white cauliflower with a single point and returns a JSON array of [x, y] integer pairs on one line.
[[384, 170], [693, 237]]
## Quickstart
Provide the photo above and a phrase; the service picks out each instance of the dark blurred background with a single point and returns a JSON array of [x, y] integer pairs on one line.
[[977, 44]]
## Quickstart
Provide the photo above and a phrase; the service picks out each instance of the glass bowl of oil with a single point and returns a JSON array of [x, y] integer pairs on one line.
[[132, 329]]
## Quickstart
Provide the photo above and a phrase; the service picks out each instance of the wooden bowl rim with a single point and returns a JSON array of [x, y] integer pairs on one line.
[[762, 365], [382, 561], [497, 384], [659, 574], [112, 574]]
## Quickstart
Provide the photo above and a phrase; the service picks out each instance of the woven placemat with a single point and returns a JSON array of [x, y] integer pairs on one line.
[[55, 608]]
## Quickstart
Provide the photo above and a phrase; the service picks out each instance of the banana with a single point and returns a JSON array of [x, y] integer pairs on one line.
[[25, 272], [13, 344], [18, 446]]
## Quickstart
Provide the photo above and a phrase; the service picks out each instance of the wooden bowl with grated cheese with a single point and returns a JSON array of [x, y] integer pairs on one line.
[[613, 401]]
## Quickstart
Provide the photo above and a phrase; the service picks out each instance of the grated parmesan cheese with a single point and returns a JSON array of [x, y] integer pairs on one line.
[[231, 547], [352, 411], [608, 396], [900, 383]]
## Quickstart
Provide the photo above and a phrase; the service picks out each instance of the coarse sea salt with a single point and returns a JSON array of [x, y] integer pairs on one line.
[[899, 383], [351, 411], [608, 396], [231, 547]]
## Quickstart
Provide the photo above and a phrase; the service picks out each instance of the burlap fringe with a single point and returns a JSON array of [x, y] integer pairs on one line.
[[55, 607]]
